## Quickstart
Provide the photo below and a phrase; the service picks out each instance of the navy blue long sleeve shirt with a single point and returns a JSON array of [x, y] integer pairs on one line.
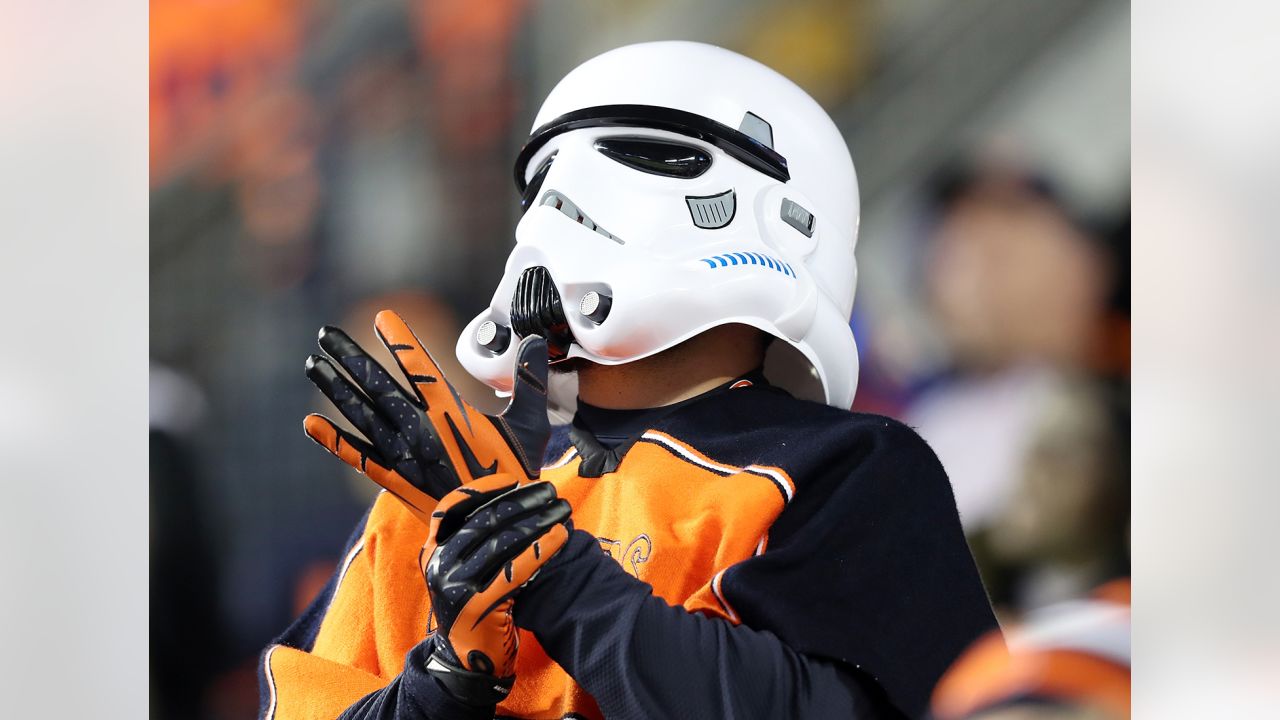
[[864, 596]]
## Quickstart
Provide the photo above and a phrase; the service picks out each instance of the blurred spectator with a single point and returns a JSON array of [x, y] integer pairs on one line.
[[1011, 276], [387, 222], [1064, 528], [1066, 662], [1034, 440], [1018, 291], [272, 157]]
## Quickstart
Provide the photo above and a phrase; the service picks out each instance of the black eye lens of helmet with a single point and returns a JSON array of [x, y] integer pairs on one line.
[[530, 194], [656, 157]]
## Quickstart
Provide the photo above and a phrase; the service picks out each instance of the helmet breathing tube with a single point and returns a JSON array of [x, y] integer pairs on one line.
[[536, 309]]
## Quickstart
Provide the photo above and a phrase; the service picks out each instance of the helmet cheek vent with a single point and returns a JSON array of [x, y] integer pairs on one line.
[[712, 212]]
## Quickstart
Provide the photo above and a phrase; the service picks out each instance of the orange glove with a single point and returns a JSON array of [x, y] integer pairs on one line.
[[487, 540], [421, 445]]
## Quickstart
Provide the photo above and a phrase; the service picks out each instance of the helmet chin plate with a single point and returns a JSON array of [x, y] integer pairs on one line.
[[536, 309]]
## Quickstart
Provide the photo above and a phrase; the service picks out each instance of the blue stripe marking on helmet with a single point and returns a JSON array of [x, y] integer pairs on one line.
[[749, 258]]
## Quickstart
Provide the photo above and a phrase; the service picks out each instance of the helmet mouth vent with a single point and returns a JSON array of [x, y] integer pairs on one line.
[[570, 210], [536, 309]]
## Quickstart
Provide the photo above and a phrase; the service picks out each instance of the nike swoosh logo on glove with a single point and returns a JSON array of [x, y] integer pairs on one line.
[[473, 464]]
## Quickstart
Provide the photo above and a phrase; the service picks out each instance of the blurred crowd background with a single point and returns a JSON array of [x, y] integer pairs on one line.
[[313, 161]]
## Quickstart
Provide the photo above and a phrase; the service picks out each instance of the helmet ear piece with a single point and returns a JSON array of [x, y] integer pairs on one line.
[[789, 223]]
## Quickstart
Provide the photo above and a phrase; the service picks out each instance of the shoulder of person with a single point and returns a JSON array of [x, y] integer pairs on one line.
[[767, 426]]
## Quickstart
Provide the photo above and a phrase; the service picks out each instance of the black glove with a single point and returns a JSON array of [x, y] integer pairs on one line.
[[487, 539], [423, 444]]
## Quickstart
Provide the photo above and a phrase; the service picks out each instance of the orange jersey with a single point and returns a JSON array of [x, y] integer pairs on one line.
[[702, 509]]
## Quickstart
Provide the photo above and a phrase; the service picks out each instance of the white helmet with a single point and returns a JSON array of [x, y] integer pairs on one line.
[[671, 187]]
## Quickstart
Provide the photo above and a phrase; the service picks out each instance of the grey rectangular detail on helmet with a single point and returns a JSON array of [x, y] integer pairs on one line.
[[713, 211], [797, 217], [757, 128]]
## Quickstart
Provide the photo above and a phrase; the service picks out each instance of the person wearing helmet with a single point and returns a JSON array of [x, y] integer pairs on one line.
[[714, 534]]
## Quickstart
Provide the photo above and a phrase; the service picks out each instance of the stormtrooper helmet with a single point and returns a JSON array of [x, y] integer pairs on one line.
[[669, 188]]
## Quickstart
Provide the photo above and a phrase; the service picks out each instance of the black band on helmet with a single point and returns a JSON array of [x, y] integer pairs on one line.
[[736, 144]]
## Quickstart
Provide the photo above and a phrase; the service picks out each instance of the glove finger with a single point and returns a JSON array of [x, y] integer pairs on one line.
[[354, 405], [362, 456], [416, 362], [519, 571], [512, 575], [394, 403], [525, 421], [454, 508], [361, 412], [497, 511], [485, 545], [348, 448], [367, 372]]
